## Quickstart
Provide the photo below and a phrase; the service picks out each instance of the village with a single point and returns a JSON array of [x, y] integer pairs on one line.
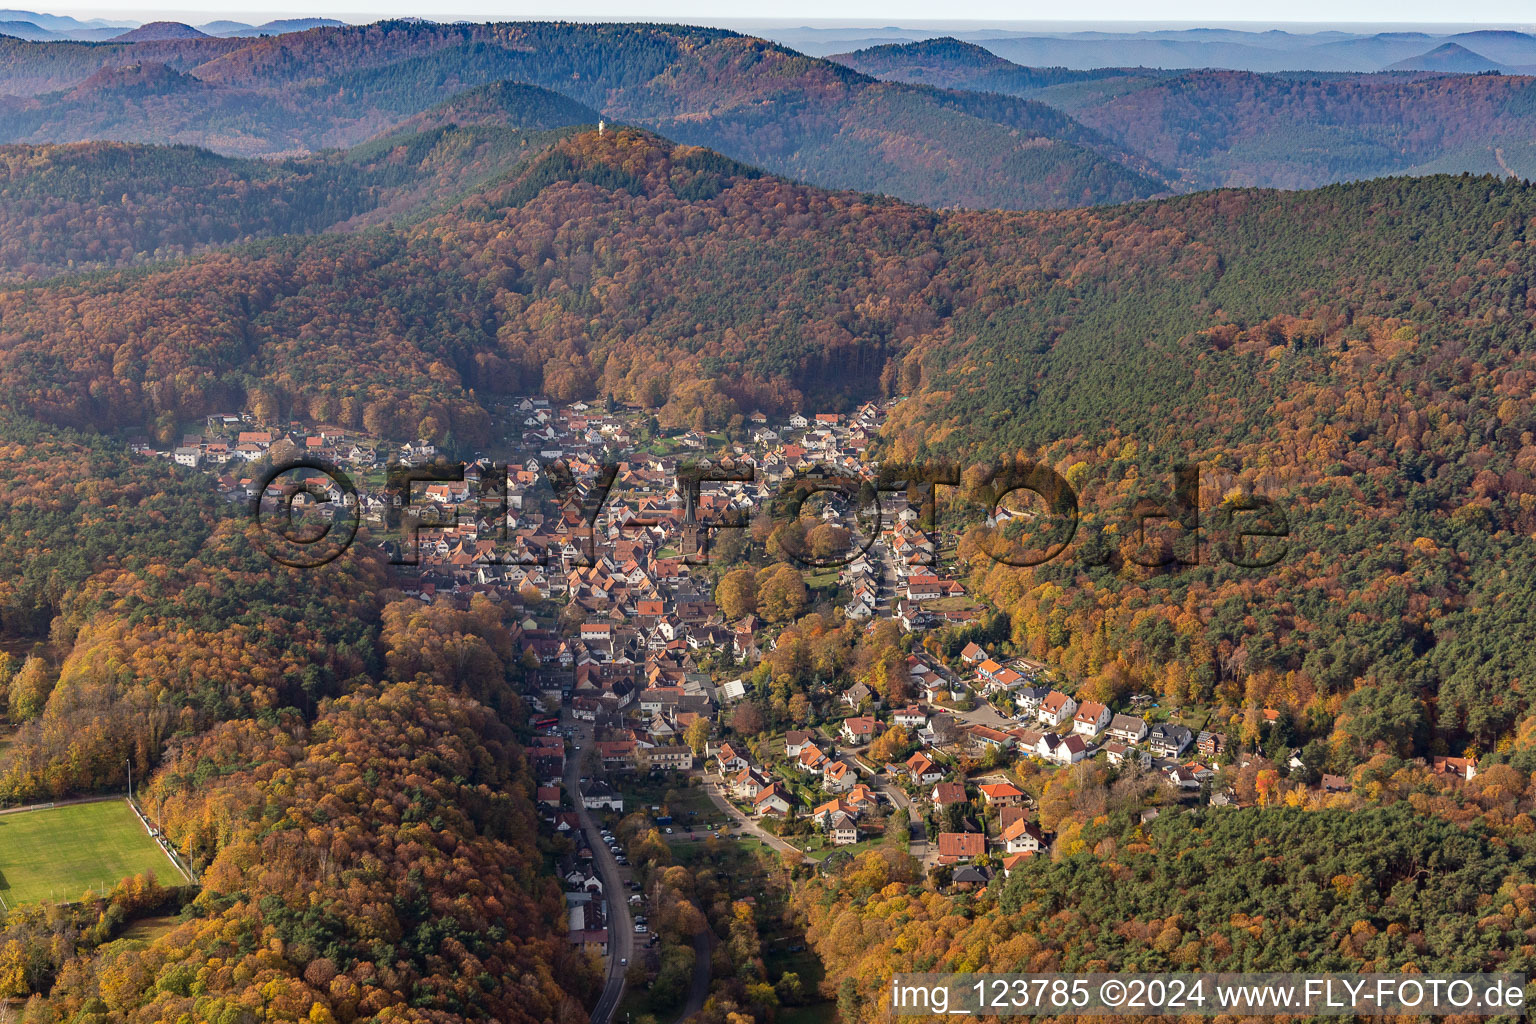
[[634, 670]]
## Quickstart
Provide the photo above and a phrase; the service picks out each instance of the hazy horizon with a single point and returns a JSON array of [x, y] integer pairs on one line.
[[1101, 15]]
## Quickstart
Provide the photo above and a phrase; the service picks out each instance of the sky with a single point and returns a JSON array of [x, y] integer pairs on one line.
[[1377, 13]]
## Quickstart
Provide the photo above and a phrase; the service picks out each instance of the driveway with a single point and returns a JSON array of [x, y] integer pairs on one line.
[[917, 833], [984, 714]]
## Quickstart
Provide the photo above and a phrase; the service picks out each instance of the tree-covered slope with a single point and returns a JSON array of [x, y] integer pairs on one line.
[[363, 829], [1344, 890], [1359, 353], [84, 206]]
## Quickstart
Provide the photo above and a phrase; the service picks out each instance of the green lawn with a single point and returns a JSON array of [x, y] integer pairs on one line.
[[691, 806], [60, 852], [821, 853]]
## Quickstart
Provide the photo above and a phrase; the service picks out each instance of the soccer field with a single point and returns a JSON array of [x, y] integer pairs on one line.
[[60, 852]]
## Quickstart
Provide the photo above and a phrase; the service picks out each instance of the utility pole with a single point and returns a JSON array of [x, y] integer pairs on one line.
[[129, 762]]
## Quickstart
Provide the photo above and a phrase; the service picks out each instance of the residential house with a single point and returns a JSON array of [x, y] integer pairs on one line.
[[839, 820], [748, 783], [1002, 794], [1090, 719], [1462, 767], [1128, 729], [855, 696], [773, 800], [1012, 861], [858, 731], [729, 759], [1023, 837], [601, 796], [1169, 740], [811, 760], [957, 847], [1071, 749], [1056, 708], [838, 777], [947, 793], [1182, 777], [922, 770], [1211, 743], [795, 742], [617, 755], [970, 876], [1335, 783], [984, 737], [669, 758], [1120, 753]]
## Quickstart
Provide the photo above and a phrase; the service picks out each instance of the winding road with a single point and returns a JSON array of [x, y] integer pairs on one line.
[[621, 929]]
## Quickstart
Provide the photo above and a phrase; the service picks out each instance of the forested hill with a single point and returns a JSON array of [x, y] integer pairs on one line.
[[954, 64], [83, 206], [755, 101], [1361, 352], [1286, 130], [1350, 889], [360, 811]]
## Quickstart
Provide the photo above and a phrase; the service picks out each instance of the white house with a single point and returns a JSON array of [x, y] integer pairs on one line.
[[1023, 837], [1056, 708], [599, 795], [1090, 719], [923, 771], [837, 777], [1071, 749]]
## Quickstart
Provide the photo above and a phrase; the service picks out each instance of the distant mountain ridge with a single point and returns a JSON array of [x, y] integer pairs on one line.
[[944, 122], [757, 102], [1272, 50], [1290, 130], [159, 31], [237, 29], [61, 22], [1450, 58]]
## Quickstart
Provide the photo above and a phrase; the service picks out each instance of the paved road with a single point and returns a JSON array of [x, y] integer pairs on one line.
[[698, 988], [917, 834], [746, 823], [621, 934]]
